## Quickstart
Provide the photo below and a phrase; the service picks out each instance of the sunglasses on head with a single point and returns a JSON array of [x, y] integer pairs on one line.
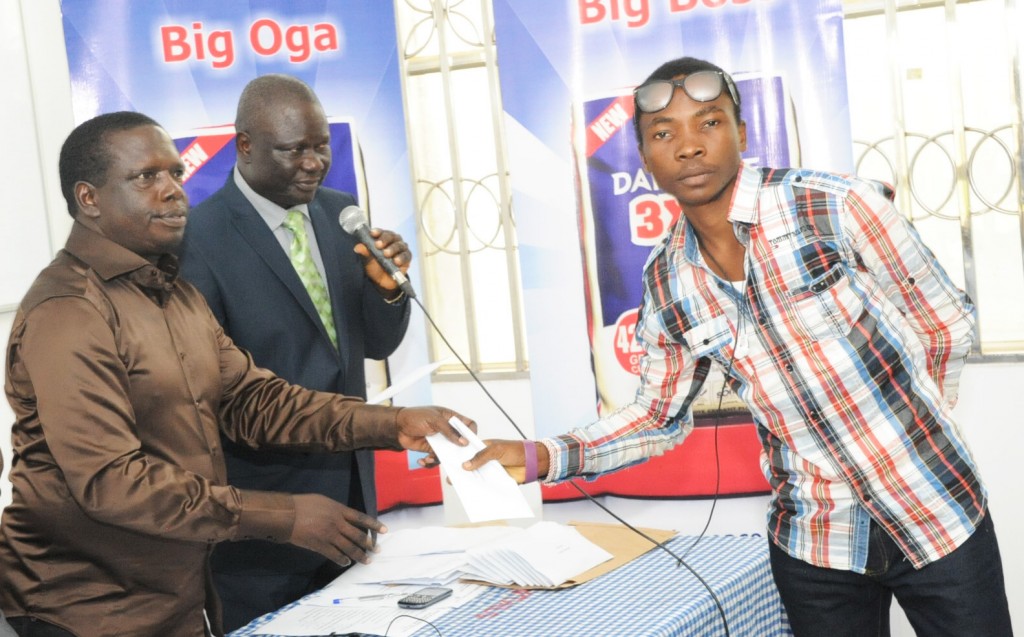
[[702, 86]]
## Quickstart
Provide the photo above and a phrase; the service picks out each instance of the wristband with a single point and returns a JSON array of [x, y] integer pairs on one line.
[[530, 448]]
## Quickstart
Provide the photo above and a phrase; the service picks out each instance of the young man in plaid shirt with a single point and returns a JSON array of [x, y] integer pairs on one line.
[[845, 339]]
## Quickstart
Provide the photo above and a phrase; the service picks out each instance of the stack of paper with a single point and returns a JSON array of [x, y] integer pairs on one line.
[[358, 601], [431, 556], [544, 555]]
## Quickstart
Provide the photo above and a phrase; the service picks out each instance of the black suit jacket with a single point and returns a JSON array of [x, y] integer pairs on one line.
[[235, 260]]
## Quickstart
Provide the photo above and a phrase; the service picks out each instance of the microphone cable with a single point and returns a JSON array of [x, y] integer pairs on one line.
[[718, 414], [679, 560]]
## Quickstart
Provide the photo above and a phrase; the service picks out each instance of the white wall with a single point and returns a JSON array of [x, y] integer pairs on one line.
[[35, 116]]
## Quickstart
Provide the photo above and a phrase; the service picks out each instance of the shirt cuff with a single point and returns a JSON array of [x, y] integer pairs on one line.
[[266, 516], [555, 463], [373, 427]]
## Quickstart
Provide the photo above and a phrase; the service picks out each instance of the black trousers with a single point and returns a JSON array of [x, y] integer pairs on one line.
[[32, 627]]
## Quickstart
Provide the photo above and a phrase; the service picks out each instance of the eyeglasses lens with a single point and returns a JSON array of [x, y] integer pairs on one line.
[[654, 96], [702, 86]]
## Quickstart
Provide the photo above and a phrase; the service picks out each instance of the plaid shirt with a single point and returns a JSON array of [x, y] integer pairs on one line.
[[851, 342]]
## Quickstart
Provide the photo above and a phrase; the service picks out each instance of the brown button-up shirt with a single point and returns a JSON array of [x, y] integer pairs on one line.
[[119, 378]]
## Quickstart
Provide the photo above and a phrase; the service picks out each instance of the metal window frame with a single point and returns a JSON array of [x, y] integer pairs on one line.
[[961, 158], [444, 64]]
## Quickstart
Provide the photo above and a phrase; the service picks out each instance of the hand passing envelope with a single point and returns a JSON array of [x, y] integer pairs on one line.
[[488, 492]]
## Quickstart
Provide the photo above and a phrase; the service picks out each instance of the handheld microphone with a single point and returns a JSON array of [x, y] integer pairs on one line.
[[353, 221]]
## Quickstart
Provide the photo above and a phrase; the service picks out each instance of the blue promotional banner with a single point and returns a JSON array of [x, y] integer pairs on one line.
[[588, 212], [185, 63]]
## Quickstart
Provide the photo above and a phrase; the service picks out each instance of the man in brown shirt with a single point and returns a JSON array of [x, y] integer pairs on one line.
[[120, 380]]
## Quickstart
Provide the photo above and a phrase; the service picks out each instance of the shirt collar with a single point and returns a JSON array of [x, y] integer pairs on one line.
[[742, 214], [270, 212], [744, 199], [110, 260]]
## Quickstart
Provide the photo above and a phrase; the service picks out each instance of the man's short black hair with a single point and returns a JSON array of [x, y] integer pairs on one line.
[[266, 92], [85, 155], [675, 68]]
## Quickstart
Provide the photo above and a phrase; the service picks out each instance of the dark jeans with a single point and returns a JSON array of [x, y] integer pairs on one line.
[[960, 594]]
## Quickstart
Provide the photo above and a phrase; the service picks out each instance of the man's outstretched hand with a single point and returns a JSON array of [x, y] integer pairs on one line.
[[510, 454]]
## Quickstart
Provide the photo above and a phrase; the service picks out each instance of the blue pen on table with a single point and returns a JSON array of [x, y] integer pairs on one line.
[[339, 600]]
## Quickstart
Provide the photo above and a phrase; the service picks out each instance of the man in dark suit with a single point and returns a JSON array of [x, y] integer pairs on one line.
[[236, 251]]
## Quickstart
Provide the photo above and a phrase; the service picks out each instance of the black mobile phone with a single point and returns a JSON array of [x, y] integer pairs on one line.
[[424, 597]]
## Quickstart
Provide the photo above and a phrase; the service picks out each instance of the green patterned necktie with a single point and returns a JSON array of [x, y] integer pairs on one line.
[[302, 260]]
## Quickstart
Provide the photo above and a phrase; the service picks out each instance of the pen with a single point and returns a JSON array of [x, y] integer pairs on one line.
[[368, 597], [380, 596]]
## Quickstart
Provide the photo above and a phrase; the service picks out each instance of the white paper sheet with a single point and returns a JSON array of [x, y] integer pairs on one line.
[[325, 620], [403, 383], [430, 540], [545, 554], [346, 615], [488, 493]]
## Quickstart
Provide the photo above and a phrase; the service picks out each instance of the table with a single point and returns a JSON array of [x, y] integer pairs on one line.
[[650, 596]]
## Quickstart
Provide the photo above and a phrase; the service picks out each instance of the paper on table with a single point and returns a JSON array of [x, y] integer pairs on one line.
[[324, 620], [405, 382], [376, 619], [488, 493], [425, 570], [546, 554], [429, 555], [359, 595], [430, 540]]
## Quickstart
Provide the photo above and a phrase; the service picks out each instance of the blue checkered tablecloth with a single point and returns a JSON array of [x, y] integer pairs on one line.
[[650, 596]]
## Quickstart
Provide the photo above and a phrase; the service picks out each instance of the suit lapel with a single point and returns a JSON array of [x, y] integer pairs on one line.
[[254, 231]]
